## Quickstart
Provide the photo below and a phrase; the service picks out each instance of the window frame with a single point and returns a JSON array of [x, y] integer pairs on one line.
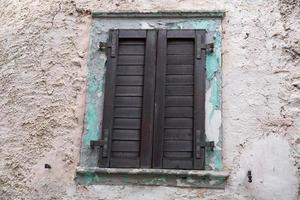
[[87, 172]]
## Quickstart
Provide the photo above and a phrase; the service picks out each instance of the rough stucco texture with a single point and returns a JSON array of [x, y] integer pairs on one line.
[[43, 53]]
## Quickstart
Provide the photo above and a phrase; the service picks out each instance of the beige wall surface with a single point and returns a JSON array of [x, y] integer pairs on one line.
[[43, 55]]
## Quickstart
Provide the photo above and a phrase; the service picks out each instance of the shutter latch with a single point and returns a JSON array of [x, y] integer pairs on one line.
[[101, 143]]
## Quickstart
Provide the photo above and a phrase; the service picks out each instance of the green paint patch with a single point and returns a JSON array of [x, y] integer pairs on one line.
[[92, 121], [88, 178], [197, 179]]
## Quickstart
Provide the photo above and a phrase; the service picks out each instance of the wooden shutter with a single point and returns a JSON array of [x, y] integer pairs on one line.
[[154, 104], [129, 101], [180, 100]]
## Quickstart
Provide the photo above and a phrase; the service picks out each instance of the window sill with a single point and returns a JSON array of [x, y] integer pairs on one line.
[[151, 177]]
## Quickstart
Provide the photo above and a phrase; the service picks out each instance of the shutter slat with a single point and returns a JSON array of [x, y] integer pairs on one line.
[[180, 59], [121, 134], [128, 101], [179, 112], [180, 69], [171, 163], [130, 146], [125, 162], [181, 34], [178, 134], [131, 60], [184, 49], [178, 122], [184, 154], [124, 154], [132, 34], [121, 123], [179, 80], [131, 112], [179, 100], [178, 146], [179, 90], [130, 70], [130, 80], [135, 91]]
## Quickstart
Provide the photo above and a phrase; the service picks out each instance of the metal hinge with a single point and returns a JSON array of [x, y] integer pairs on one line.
[[202, 144], [103, 46], [208, 47], [210, 145], [103, 144]]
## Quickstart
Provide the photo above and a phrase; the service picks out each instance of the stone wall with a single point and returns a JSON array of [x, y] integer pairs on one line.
[[43, 55]]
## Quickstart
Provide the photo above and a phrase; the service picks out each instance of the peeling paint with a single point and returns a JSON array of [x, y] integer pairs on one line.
[[178, 178]]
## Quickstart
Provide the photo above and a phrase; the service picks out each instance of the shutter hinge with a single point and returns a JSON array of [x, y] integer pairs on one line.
[[208, 47], [103, 46], [101, 143], [210, 145]]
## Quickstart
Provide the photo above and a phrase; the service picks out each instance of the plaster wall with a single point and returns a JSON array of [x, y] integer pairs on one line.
[[43, 76]]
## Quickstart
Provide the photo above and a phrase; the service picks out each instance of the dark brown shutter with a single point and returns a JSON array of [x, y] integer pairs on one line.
[[154, 104], [129, 102], [180, 100]]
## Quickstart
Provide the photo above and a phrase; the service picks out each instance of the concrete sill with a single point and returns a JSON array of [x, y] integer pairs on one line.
[[153, 177]]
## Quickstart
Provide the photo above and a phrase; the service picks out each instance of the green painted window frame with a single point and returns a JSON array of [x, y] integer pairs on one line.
[[214, 175]]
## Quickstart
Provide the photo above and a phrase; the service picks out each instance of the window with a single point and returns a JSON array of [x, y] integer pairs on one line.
[[154, 104]]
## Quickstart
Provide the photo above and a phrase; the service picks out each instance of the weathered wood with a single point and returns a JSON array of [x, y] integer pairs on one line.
[[180, 69], [199, 102], [121, 134], [170, 163], [148, 100], [122, 123], [179, 134], [180, 59], [125, 162], [135, 102], [179, 90], [130, 80], [160, 99], [181, 33], [132, 33], [124, 146], [179, 80], [178, 146], [179, 101], [130, 70], [109, 98], [128, 91], [128, 112]]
